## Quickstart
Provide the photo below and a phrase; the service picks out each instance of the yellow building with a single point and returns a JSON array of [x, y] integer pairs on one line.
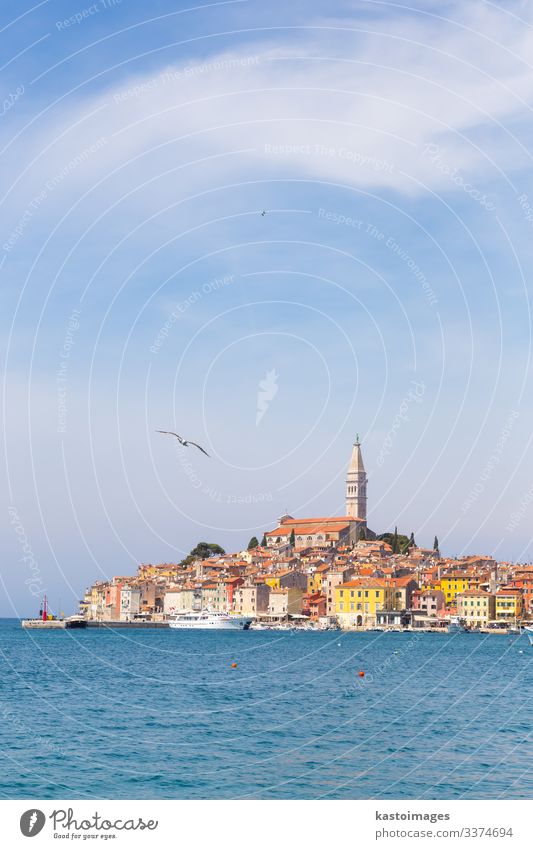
[[272, 581], [358, 601], [453, 584], [315, 579], [509, 604], [476, 608]]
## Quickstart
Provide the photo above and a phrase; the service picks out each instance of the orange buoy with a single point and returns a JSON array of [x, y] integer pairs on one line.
[[234, 666], [361, 674]]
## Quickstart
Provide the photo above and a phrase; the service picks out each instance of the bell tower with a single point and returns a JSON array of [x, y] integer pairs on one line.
[[356, 481]]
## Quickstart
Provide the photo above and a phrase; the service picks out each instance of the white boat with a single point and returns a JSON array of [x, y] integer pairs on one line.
[[529, 632], [209, 620], [457, 626]]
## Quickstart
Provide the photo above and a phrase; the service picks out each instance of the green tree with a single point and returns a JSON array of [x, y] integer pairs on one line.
[[435, 544], [410, 543], [264, 541], [292, 538], [396, 541], [203, 550], [254, 542], [362, 534]]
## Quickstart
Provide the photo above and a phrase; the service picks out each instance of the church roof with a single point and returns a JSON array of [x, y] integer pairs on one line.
[[322, 520], [356, 460], [317, 527]]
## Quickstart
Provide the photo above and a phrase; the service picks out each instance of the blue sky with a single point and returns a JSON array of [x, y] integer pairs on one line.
[[386, 290]]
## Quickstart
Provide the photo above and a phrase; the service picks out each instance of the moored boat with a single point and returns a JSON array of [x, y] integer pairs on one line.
[[457, 626], [529, 632], [76, 621], [210, 620]]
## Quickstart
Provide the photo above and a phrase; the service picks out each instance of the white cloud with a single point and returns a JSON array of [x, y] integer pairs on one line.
[[345, 105]]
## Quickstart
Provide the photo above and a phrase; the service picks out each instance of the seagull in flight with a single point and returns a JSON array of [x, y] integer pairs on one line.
[[264, 212], [184, 442]]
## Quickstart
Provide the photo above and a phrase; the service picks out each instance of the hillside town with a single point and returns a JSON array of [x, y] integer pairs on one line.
[[326, 572]]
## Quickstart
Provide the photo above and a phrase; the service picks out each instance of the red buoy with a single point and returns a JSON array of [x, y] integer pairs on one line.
[[361, 674], [234, 666]]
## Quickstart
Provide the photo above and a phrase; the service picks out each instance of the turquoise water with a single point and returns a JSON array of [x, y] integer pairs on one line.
[[161, 714]]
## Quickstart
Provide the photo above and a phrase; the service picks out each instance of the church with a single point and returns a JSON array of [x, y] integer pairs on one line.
[[330, 531]]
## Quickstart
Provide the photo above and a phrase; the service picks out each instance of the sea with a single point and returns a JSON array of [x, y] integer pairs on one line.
[[165, 714]]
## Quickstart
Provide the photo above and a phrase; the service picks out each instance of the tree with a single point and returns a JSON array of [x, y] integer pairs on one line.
[[202, 551], [435, 544], [292, 538], [410, 543], [254, 542], [362, 534], [264, 541], [396, 541]]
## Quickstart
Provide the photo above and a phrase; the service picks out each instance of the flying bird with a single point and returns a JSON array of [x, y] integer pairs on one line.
[[184, 442], [264, 212]]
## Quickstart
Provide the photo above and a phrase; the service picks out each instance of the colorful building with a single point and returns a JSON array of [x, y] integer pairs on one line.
[[282, 603], [509, 604], [429, 602], [476, 607], [251, 600], [358, 601]]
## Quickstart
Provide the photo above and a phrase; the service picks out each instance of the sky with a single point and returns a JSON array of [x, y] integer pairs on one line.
[[385, 291]]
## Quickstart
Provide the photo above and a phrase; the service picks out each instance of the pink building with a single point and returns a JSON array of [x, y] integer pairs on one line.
[[430, 602]]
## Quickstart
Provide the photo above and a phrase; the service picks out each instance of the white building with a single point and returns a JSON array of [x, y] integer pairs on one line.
[[130, 602]]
